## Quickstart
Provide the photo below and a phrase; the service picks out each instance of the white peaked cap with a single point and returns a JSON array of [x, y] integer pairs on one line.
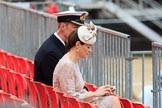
[[87, 33]]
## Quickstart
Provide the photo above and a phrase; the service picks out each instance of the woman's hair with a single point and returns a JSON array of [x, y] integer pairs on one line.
[[72, 39]]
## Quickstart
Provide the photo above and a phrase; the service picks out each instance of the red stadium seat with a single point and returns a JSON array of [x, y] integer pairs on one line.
[[139, 105], [3, 59], [73, 102], [126, 103], [10, 61], [31, 68], [11, 87], [42, 95], [20, 84], [6, 80], [2, 101], [17, 65], [88, 105], [23, 65], [53, 99], [62, 99], [91, 87], [31, 93], [3, 79], [9, 102]]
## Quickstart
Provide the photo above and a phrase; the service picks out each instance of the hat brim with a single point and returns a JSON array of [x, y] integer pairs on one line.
[[67, 13], [77, 23]]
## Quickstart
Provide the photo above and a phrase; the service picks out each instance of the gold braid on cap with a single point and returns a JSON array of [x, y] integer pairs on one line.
[[83, 17]]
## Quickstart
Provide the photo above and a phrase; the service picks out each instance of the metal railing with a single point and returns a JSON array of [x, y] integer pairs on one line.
[[23, 32], [108, 63], [141, 66], [157, 80]]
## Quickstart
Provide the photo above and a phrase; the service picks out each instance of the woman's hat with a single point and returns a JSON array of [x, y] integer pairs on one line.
[[87, 33], [77, 17]]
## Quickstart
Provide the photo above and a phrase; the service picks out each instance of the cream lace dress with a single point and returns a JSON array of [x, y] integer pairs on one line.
[[67, 78]]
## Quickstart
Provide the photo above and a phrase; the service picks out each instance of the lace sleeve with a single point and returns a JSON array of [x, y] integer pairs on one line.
[[68, 75]]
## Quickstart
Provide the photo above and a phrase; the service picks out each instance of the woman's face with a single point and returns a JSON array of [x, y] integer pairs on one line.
[[84, 50]]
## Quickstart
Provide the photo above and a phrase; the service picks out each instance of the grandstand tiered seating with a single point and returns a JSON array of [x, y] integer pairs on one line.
[[19, 90]]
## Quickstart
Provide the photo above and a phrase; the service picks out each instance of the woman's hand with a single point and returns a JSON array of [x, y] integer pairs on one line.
[[104, 90]]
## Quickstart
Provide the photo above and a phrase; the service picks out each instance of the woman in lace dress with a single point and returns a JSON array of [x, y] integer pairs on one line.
[[67, 77]]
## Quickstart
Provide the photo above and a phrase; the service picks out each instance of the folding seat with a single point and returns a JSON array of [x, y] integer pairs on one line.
[[31, 93], [87, 105], [90, 87], [9, 101], [11, 87], [31, 68], [3, 79], [3, 59], [42, 95], [16, 65], [126, 103], [20, 85], [7, 81], [9, 61], [52, 96], [62, 99], [139, 105], [23, 65], [73, 102], [20, 103], [2, 102]]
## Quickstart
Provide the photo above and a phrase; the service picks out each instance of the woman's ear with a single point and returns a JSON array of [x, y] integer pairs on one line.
[[77, 44]]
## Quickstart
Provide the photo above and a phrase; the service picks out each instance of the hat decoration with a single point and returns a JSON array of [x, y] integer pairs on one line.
[[87, 33]]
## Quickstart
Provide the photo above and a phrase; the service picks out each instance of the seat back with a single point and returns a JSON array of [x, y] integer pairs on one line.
[[2, 101], [126, 103], [31, 94], [62, 99], [9, 102], [3, 79], [88, 105], [20, 85], [42, 94], [90, 87], [139, 105], [31, 68], [73, 102], [23, 65], [11, 88], [3, 60], [52, 97]]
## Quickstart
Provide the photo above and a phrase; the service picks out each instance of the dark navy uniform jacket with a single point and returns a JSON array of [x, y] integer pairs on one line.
[[46, 59]]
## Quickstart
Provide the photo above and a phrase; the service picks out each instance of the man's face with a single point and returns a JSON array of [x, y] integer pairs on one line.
[[69, 28]]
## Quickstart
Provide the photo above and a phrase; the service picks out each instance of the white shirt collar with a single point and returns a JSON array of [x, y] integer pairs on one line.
[[59, 38]]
